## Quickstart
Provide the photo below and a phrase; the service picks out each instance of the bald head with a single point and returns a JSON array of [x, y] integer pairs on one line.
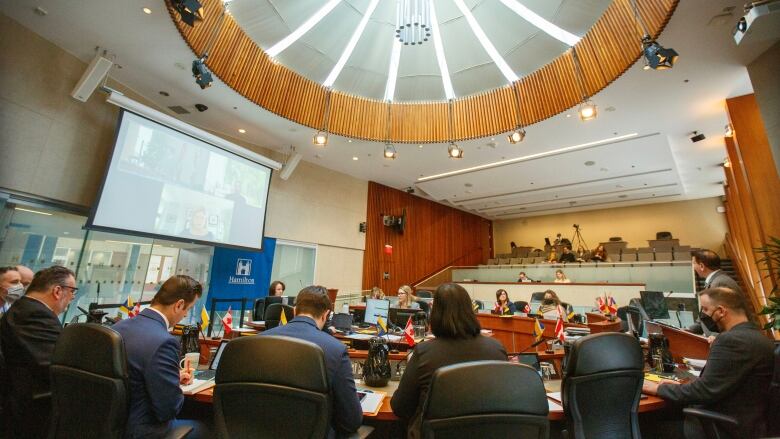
[[26, 274]]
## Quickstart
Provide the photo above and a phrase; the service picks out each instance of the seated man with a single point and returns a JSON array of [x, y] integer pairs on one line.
[[153, 361], [28, 333], [312, 307], [736, 380]]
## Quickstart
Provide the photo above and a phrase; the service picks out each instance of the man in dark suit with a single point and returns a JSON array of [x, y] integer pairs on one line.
[[736, 379], [706, 264], [153, 361], [28, 333], [312, 307]]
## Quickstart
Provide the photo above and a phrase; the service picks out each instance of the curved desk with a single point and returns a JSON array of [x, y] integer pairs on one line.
[[576, 294]]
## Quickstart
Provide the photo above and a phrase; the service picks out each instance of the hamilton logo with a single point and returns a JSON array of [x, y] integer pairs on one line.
[[243, 268]]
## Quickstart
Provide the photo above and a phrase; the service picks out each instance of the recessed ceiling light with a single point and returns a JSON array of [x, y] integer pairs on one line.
[[349, 140], [590, 163], [568, 115], [241, 130], [354, 158], [147, 11], [420, 146]]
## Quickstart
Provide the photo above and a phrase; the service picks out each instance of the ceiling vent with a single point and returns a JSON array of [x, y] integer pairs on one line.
[[178, 109]]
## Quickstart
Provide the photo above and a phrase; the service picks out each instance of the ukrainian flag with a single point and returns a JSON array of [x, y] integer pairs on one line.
[[204, 319], [127, 307], [283, 319], [381, 326], [538, 329]]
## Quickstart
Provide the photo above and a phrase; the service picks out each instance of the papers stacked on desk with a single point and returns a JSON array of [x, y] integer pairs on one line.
[[197, 386], [370, 401], [694, 363]]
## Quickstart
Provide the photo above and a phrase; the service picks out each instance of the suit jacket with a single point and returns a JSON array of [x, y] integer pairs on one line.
[[735, 381], [28, 333], [347, 412], [428, 356], [719, 279], [153, 368]]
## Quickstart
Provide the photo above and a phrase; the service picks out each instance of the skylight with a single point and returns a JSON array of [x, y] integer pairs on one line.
[[509, 74], [439, 47], [351, 45], [544, 25], [392, 73], [302, 29]]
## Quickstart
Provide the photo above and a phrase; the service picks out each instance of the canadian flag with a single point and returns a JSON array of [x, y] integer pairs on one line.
[[227, 321], [409, 332], [527, 309], [135, 311], [559, 329]]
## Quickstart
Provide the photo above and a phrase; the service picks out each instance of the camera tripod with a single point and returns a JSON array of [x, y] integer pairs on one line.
[[577, 241]]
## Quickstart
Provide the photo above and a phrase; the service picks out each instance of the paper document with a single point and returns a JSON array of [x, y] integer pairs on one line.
[[197, 386], [554, 395], [552, 405], [693, 362], [370, 401]]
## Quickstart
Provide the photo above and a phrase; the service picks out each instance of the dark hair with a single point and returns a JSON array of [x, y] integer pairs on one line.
[[4, 270], [312, 300], [452, 315], [709, 258], [49, 277], [727, 298], [179, 287], [272, 288], [554, 296], [498, 295]]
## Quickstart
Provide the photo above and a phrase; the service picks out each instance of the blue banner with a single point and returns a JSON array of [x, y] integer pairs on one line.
[[240, 273]]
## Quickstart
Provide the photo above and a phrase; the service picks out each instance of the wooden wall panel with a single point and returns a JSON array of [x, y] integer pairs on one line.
[[435, 236], [752, 196]]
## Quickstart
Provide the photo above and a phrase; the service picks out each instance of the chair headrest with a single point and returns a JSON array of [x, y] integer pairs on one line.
[[604, 352], [484, 387], [93, 348], [267, 358]]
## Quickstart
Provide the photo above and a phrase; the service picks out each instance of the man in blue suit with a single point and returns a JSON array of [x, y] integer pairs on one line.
[[312, 308], [153, 361]]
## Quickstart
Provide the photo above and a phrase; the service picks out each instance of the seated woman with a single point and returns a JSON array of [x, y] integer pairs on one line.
[[600, 254], [549, 307], [503, 306], [560, 277], [406, 298], [376, 293], [277, 288], [458, 340]]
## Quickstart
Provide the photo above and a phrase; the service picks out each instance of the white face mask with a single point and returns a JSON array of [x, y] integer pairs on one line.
[[15, 292]]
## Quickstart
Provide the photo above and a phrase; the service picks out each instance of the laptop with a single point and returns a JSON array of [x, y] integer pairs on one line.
[[342, 322], [205, 375]]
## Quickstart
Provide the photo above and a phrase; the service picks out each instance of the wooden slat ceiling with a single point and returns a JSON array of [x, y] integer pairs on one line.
[[606, 51]]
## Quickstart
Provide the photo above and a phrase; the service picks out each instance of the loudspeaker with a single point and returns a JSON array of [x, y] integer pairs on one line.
[[91, 78], [289, 167]]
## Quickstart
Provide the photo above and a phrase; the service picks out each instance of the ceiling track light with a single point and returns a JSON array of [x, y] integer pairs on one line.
[[726, 162], [321, 137], [453, 151], [729, 131], [587, 110], [518, 135], [656, 56], [390, 152], [201, 73], [190, 11]]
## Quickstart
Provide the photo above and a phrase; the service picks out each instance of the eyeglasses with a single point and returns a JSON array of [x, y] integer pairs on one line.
[[72, 289]]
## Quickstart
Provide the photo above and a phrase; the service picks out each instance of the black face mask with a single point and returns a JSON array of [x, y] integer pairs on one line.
[[708, 322], [548, 301]]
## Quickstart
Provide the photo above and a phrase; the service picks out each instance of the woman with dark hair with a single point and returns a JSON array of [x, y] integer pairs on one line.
[[503, 306], [458, 340], [550, 304], [277, 288]]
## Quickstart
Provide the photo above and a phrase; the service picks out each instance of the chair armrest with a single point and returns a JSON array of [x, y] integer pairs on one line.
[[363, 432], [714, 416], [179, 432]]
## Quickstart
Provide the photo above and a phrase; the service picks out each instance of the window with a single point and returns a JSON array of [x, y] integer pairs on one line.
[[294, 264]]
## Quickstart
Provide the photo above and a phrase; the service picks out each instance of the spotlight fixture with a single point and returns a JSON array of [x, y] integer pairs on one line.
[[516, 136], [321, 138], [390, 152], [697, 137], [587, 111], [201, 72], [726, 162], [454, 151], [656, 56], [729, 131], [189, 10]]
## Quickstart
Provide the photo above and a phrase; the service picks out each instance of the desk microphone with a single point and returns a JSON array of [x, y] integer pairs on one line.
[[543, 339]]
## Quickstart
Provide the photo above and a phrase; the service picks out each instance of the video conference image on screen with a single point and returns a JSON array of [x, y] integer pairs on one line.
[[163, 182]]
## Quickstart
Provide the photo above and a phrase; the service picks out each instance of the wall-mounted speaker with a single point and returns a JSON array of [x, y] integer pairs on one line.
[[91, 78], [289, 167]]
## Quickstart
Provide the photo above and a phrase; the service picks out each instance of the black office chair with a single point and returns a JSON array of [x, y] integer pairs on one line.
[[611, 364], [485, 399], [258, 310], [89, 360], [520, 305], [424, 294], [630, 319], [425, 306], [257, 395], [713, 424], [537, 297], [273, 314], [773, 426], [480, 304]]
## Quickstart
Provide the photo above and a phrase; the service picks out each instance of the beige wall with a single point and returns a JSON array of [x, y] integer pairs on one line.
[[763, 76], [694, 222], [55, 147]]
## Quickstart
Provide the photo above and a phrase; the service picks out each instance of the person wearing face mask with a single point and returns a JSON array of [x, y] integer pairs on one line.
[[11, 288], [550, 304], [706, 264], [736, 380], [26, 274], [153, 362], [28, 333]]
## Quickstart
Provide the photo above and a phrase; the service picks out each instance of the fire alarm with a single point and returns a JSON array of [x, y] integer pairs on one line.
[[388, 249]]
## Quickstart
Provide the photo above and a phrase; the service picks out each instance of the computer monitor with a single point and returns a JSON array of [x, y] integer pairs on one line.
[[272, 299], [288, 300], [376, 308], [530, 359], [218, 355], [654, 304], [399, 316]]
